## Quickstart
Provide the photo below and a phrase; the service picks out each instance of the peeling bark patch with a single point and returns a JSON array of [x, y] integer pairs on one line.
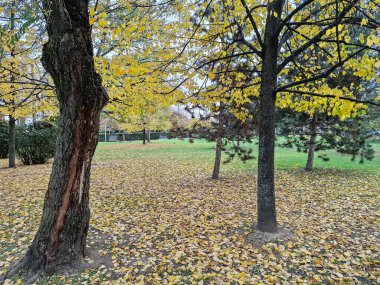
[[82, 180], [69, 186]]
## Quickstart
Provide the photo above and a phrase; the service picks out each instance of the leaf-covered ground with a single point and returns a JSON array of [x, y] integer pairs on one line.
[[157, 218]]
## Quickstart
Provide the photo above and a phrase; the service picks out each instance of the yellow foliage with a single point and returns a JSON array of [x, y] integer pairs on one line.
[[162, 220]]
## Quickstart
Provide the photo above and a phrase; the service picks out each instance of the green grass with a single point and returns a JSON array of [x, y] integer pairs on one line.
[[202, 152]]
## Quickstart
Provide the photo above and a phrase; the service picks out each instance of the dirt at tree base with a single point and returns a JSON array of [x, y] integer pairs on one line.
[[93, 260], [259, 238]]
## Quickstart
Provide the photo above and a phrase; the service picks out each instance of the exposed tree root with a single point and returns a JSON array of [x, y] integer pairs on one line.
[[29, 277], [31, 268], [28, 268]]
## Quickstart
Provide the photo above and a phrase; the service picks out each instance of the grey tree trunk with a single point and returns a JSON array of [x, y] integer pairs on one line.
[[267, 220], [68, 57], [312, 142], [12, 142], [148, 135], [12, 120], [218, 157]]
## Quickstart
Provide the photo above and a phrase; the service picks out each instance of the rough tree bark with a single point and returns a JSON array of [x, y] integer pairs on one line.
[[12, 142], [68, 57], [218, 157], [267, 221], [312, 142]]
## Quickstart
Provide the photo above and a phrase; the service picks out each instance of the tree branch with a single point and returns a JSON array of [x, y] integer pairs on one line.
[[322, 75], [317, 38], [307, 93]]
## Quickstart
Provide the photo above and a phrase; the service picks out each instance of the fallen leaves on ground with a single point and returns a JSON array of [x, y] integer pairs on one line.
[[163, 221]]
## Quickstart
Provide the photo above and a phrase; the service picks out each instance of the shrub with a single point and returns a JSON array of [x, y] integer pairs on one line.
[[36, 142], [4, 129], [139, 136]]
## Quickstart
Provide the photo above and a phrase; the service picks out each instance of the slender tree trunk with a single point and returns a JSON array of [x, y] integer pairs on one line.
[[312, 142], [218, 157], [12, 142], [12, 120], [105, 132], [267, 221], [68, 57], [148, 135], [144, 136]]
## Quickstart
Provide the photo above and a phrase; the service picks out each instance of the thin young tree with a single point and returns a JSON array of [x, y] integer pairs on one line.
[[316, 134], [24, 89]]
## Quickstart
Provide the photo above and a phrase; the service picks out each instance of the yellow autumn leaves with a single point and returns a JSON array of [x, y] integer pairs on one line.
[[25, 90], [161, 220]]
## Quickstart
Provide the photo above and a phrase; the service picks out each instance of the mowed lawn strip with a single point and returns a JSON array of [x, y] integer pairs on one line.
[[202, 151]]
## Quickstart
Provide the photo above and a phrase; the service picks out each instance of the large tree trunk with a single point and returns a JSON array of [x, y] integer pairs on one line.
[[12, 142], [312, 142], [144, 136], [218, 157], [267, 221], [68, 57]]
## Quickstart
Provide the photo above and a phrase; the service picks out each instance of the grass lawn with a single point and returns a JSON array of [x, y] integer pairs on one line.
[[158, 218], [203, 150]]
